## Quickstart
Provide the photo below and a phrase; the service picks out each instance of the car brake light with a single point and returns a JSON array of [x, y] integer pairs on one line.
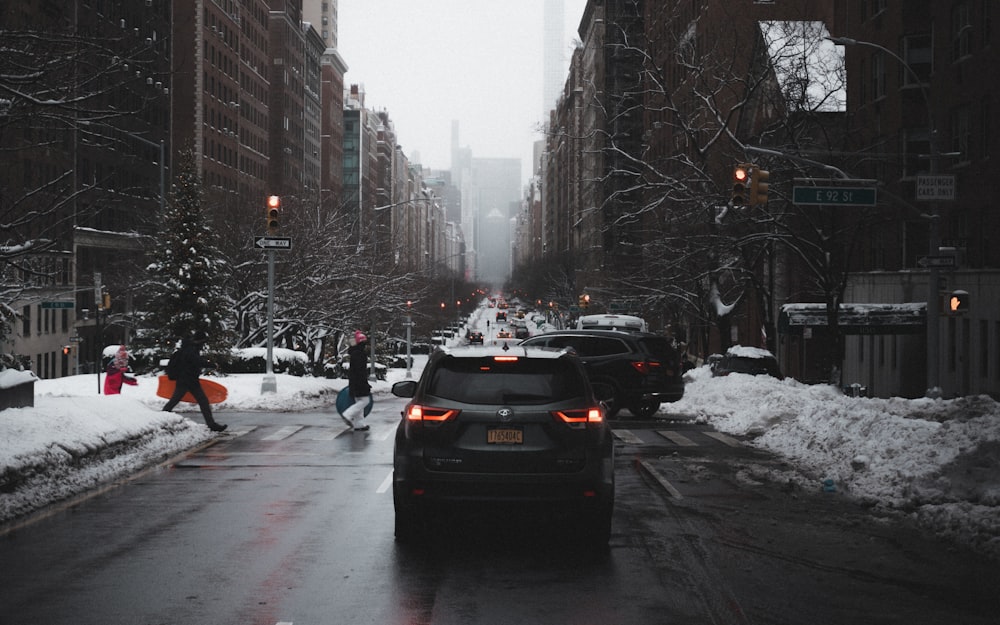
[[505, 358], [579, 418], [434, 415], [645, 366]]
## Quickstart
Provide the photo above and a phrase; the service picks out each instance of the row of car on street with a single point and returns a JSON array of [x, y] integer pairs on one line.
[[522, 424]]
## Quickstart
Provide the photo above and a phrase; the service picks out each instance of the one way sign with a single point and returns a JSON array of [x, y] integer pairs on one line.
[[273, 243]]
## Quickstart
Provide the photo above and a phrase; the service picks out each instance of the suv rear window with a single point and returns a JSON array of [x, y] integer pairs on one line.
[[522, 381], [590, 345], [659, 347]]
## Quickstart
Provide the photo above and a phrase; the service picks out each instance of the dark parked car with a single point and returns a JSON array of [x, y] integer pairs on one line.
[[633, 370], [751, 360], [510, 426]]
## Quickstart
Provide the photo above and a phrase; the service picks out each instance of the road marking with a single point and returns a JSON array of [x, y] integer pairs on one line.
[[386, 483], [325, 434], [722, 438], [664, 482], [627, 436], [282, 433], [677, 438]]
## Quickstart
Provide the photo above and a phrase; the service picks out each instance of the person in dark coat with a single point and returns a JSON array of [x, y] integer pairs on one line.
[[185, 367], [357, 381]]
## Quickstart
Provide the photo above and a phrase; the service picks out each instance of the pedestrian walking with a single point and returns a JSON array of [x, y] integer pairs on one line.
[[185, 367], [357, 381], [116, 373]]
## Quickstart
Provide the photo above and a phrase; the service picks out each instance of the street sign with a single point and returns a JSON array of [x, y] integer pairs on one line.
[[936, 261], [62, 303], [930, 188], [273, 243], [834, 196], [74, 339]]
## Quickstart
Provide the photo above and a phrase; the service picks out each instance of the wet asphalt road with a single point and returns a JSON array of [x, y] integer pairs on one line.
[[288, 519]]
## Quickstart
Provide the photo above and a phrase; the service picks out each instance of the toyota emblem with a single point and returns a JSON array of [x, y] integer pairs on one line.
[[505, 414]]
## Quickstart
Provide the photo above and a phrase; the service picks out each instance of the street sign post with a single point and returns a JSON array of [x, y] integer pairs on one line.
[[834, 196], [273, 243], [930, 188]]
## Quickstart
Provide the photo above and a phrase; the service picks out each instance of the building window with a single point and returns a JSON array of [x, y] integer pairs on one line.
[[26, 321], [877, 76], [919, 56], [961, 134], [916, 141], [961, 31]]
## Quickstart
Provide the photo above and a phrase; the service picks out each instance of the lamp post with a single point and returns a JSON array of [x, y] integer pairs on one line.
[[934, 232], [409, 326]]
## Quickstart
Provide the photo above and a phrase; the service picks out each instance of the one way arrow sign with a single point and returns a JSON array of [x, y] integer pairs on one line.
[[273, 243]]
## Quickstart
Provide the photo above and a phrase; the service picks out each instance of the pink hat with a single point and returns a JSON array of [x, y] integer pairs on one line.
[[359, 336]]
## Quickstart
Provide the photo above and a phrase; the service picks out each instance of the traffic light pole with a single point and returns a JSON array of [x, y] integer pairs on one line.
[[270, 383]]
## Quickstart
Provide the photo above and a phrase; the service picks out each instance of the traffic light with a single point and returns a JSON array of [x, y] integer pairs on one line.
[[758, 186], [584, 300], [741, 178], [66, 350], [272, 212], [958, 302]]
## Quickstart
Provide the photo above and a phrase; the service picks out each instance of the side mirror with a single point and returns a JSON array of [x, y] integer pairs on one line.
[[406, 388]]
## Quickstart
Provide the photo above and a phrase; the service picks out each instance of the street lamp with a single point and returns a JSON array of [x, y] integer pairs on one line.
[[934, 232]]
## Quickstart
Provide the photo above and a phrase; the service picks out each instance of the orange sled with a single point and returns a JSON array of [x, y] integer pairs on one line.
[[215, 392]]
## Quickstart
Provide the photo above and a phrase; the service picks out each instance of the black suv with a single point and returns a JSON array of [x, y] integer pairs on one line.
[[633, 370], [507, 426]]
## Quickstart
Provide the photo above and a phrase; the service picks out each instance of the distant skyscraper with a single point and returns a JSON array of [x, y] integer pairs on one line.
[[553, 73], [322, 14]]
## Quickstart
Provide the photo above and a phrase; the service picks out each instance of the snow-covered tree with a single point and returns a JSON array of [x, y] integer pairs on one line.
[[188, 272]]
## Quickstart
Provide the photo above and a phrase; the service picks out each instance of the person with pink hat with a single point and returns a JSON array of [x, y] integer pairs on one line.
[[357, 381], [117, 373]]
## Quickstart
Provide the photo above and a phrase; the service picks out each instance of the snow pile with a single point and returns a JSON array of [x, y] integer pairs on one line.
[[937, 460]]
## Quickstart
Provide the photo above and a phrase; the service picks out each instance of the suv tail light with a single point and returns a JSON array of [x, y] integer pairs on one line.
[[645, 367], [429, 415], [579, 418]]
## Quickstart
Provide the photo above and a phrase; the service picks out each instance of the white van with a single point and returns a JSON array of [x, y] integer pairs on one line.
[[628, 323]]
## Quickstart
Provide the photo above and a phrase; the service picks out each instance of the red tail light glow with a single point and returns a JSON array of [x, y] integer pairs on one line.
[[579, 418], [428, 414], [646, 366], [505, 358]]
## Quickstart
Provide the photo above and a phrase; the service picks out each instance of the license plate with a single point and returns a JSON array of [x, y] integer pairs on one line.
[[505, 436]]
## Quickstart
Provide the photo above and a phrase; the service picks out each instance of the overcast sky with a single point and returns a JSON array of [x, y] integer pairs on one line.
[[433, 61]]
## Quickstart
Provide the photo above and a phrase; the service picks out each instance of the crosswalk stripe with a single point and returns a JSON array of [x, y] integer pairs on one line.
[[677, 438], [282, 433], [325, 434], [627, 436], [722, 438]]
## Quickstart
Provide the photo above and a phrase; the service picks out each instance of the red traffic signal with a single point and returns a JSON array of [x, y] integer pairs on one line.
[[272, 213], [741, 180]]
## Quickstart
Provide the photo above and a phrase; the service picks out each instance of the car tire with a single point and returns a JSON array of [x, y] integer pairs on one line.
[[611, 396], [409, 524], [644, 409]]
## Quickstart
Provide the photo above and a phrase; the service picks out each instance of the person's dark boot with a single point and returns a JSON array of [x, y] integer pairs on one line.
[[215, 427]]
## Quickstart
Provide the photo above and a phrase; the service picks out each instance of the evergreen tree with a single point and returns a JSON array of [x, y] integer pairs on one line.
[[188, 270]]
